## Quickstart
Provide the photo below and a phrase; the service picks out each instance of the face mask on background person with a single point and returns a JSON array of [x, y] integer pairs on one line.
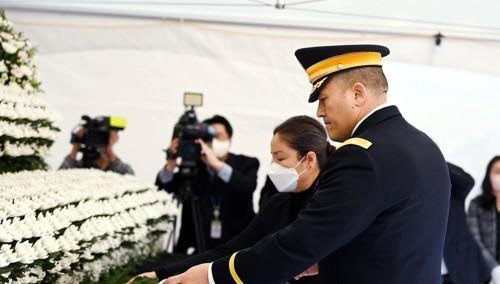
[[220, 147], [495, 182], [284, 179]]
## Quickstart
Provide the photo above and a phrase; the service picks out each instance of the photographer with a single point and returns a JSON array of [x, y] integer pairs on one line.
[[224, 186], [96, 147]]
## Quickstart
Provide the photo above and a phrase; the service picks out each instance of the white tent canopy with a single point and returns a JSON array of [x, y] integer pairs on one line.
[[470, 31], [136, 60]]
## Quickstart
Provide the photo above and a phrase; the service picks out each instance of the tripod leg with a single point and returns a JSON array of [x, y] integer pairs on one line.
[[198, 225]]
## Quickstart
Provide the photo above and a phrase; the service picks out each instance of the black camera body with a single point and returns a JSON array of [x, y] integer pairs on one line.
[[96, 134], [188, 129]]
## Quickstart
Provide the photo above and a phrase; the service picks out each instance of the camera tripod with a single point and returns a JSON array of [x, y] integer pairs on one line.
[[189, 196]]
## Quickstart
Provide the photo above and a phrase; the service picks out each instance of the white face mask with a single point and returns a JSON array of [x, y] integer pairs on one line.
[[284, 179], [221, 148], [495, 182]]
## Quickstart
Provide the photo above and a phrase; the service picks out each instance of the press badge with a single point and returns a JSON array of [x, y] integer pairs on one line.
[[216, 229], [216, 226]]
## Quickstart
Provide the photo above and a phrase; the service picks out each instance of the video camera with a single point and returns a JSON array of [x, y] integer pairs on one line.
[[188, 129], [96, 134]]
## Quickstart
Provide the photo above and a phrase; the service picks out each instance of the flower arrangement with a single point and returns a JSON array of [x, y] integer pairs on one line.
[[71, 225], [26, 123]]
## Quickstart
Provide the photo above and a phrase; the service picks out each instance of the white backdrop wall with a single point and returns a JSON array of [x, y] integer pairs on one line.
[[139, 68]]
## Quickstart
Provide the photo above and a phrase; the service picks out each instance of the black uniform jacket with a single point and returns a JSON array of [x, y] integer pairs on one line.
[[378, 216]]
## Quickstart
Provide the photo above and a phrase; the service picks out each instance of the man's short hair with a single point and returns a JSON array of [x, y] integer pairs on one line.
[[372, 77], [222, 120]]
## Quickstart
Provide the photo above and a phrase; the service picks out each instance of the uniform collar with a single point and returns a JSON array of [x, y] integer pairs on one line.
[[384, 105], [377, 116]]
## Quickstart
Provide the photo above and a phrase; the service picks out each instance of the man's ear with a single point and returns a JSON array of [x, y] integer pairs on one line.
[[360, 93]]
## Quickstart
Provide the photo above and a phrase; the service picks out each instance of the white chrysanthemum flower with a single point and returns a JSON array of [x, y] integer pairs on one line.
[[3, 67], [19, 44], [23, 55], [3, 261], [17, 72], [6, 36], [10, 255], [50, 244], [26, 71], [40, 250], [25, 252], [9, 47]]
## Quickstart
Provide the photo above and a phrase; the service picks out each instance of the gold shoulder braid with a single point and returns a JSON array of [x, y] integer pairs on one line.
[[232, 270], [363, 143]]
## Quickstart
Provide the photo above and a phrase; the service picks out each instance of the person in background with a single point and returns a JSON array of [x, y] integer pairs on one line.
[[299, 149], [463, 262], [107, 160], [224, 186], [484, 218]]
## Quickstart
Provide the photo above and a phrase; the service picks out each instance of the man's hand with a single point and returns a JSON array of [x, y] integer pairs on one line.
[[174, 146], [76, 146], [79, 133], [208, 156], [313, 270], [174, 149], [151, 275], [195, 275], [110, 154]]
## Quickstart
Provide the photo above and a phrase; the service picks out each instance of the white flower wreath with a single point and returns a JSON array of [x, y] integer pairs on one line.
[[78, 220]]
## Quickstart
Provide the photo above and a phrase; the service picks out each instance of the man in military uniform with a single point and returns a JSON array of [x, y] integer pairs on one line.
[[380, 210]]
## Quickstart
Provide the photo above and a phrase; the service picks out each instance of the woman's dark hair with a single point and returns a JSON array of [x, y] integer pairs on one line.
[[305, 134], [487, 199]]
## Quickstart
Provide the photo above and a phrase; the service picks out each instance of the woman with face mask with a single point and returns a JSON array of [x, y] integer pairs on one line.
[[484, 218], [299, 150]]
